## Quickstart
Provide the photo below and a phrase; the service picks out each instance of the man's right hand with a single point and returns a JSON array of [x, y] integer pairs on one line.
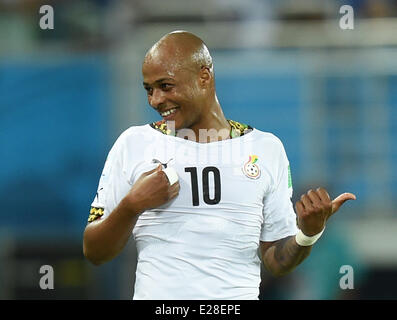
[[151, 190], [105, 238]]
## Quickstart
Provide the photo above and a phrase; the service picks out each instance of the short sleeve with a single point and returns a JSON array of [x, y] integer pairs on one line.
[[113, 184], [278, 212]]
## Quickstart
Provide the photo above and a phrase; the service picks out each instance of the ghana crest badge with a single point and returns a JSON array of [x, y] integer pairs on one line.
[[250, 169]]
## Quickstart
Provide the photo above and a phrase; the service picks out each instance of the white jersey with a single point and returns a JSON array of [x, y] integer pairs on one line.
[[204, 243]]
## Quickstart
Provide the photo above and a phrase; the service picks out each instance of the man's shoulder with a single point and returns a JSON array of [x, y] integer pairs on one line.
[[135, 132], [263, 138], [272, 148], [132, 137], [268, 137]]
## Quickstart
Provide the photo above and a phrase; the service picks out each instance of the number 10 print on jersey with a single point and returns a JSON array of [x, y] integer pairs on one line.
[[206, 190]]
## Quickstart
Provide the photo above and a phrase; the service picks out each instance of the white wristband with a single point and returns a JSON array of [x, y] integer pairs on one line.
[[304, 240], [171, 175]]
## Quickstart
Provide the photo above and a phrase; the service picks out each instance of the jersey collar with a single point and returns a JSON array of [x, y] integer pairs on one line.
[[238, 129]]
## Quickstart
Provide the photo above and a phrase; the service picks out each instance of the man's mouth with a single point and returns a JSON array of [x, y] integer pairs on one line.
[[168, 112]]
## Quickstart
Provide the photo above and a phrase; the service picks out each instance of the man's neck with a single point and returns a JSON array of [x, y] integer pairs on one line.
[[212, 126]]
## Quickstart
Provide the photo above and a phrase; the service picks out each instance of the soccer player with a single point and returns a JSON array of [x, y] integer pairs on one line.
[[205, 198]]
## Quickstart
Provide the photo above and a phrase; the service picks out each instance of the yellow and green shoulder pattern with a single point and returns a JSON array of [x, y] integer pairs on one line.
[[95, 213]]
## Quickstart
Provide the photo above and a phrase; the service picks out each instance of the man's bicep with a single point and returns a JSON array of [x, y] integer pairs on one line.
[[279, 218], [113, 184], [264, 246]]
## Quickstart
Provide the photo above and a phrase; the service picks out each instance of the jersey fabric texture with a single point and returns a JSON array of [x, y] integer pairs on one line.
[[204, 243]]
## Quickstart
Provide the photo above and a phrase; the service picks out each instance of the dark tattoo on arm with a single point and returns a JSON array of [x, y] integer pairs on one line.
[[284, 255]]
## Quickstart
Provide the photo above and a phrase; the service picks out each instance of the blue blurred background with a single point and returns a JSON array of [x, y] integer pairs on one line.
[[281, 66]]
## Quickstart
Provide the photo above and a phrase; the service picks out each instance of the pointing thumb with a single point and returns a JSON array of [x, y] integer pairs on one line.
[[341, 199]]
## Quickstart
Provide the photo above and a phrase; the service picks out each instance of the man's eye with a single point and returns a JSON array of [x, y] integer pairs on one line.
[[166, 86], [148, 90]]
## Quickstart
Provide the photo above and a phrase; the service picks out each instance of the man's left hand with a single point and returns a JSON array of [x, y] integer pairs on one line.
[[315, 207]]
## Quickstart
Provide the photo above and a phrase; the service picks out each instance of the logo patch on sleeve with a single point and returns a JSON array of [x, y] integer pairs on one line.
[[95, 213]]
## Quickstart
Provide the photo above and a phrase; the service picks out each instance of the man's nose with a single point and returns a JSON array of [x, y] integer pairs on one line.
[[157, 98]]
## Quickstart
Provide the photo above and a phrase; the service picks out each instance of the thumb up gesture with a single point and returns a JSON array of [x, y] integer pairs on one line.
[[315, 207]]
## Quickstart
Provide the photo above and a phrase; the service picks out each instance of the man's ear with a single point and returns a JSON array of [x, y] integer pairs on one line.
[[205, 76]]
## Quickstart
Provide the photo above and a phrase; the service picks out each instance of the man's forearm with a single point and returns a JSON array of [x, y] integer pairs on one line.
[[284, 255], [103, 240]]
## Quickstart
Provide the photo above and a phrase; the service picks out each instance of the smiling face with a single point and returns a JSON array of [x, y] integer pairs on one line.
[[176, 81], [173, 92]]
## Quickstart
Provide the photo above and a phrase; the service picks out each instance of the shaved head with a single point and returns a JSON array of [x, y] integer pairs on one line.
[[180, 49], [180, 84]]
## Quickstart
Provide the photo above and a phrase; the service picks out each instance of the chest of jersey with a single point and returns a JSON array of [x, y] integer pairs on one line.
[[222, 186], [211, 175]]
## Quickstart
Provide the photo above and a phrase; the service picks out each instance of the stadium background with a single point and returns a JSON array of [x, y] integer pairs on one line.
[[281, 66]]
